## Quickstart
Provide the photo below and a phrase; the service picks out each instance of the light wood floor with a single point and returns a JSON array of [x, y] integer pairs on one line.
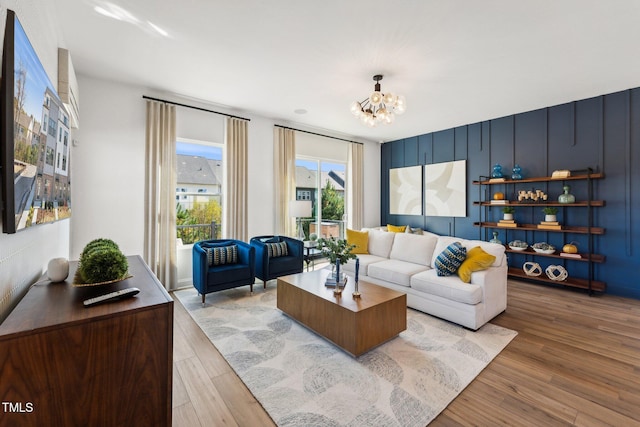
[[575, 361]]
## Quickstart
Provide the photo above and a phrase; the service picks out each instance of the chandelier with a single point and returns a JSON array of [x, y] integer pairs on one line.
[[379, 107]]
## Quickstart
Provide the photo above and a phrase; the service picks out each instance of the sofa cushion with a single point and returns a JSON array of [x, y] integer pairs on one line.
[[222, 255], [395, 271], [450, 287], [365, 261], [380, 243], [275, 250], [396, 228], [411, 230], [360, 239], [477, 260], [413, 248], [448, 261], [492, 248]]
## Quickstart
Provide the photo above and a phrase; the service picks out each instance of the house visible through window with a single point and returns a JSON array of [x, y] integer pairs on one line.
[[199, 184], [322, 182]]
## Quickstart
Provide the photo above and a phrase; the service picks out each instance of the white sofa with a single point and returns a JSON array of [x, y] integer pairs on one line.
[[405, 262]]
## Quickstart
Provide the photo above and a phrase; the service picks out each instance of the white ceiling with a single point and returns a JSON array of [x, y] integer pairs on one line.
[[456, 61]]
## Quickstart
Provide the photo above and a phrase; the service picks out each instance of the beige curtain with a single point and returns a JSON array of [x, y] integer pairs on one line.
[[355, 186], [235, 215], [284, 159], [160, 192]]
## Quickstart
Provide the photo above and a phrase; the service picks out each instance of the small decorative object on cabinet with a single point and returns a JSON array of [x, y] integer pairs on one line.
[[517, 172], [581, 179], [566, 197], [495, 238]]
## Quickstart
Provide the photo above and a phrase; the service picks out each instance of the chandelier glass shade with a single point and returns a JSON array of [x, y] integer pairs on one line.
[[379, 107]]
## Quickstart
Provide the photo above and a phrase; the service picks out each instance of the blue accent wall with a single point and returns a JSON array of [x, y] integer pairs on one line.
[[602, 133]]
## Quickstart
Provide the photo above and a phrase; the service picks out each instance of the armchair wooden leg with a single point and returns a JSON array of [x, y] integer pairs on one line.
[[203, 295], [251, 289], [265, 284]]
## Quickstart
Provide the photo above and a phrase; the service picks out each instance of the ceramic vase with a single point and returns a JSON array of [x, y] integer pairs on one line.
[[566, 197]]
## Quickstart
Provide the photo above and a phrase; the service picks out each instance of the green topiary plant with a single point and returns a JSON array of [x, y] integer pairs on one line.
[[333, 249], [101, 261]]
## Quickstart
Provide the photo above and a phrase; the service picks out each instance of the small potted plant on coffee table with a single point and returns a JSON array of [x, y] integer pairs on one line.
[[336, 249]]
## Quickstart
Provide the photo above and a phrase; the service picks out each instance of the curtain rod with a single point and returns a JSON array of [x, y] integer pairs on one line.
[[318, 134], [195, 108]]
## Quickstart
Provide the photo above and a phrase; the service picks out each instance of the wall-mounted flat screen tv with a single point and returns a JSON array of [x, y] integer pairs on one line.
[[34, 138]]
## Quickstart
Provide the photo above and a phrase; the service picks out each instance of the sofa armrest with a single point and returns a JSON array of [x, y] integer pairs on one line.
[[493, 282]]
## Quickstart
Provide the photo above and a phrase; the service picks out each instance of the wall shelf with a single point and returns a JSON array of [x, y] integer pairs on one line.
[[485, 205], [534, 227]]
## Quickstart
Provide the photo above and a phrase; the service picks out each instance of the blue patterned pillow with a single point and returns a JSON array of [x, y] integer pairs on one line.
[[222, 255], [277, 249], [450, 259]]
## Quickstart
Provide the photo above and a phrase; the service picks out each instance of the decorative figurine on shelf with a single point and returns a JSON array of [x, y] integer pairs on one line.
[[517, 172], [497, 171], [566, 197], [495, 238]]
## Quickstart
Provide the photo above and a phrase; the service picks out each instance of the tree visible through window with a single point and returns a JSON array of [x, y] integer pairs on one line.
[[323, 183], [198, 191]]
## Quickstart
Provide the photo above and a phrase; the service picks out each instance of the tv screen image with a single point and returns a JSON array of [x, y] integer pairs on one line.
[[35, 138]]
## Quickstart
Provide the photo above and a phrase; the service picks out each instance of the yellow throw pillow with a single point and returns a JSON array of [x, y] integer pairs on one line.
[[360, 239], [477, 259], [396, 228]]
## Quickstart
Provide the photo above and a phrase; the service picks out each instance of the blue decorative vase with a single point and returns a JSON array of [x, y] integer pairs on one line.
[[517, 172], [497, 171]]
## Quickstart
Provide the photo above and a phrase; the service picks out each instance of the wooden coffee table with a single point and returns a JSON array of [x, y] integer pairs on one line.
[[355, 325]]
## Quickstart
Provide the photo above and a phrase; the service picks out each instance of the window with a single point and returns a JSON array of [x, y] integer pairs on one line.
[[198, 190], [49, 156], [303, 195], [322, 182], [52, 127]]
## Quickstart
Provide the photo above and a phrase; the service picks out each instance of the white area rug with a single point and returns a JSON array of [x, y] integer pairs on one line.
[[303, 380]]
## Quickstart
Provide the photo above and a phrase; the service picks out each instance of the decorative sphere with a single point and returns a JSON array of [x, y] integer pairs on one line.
[[498, 196], [58, 269]]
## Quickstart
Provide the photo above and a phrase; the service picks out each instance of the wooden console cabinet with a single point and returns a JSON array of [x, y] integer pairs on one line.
[[62, 364]]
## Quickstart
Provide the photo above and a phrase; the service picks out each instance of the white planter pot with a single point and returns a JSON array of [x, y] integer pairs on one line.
[[508, 216], [550, 218]]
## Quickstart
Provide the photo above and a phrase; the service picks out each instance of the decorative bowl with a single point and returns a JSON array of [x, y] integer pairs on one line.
[[518, 245], [543, 248]]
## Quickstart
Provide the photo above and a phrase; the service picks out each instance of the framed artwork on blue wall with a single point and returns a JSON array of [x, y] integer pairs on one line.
[[405, 191], [445, 189]]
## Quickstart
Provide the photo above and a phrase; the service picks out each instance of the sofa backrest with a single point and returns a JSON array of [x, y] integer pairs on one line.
[[491, 248], [415, 248], [380, 242]]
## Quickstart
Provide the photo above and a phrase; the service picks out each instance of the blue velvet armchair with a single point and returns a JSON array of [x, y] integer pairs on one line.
[[218, 266], [270, 267]]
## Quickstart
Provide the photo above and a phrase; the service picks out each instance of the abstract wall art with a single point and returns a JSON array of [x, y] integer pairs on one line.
[[405, 191], [445, 189]]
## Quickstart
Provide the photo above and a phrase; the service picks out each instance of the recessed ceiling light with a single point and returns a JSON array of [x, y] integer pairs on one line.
[[300, 111]]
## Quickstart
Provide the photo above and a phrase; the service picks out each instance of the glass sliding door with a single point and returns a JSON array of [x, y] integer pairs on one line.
[[323, 182]]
